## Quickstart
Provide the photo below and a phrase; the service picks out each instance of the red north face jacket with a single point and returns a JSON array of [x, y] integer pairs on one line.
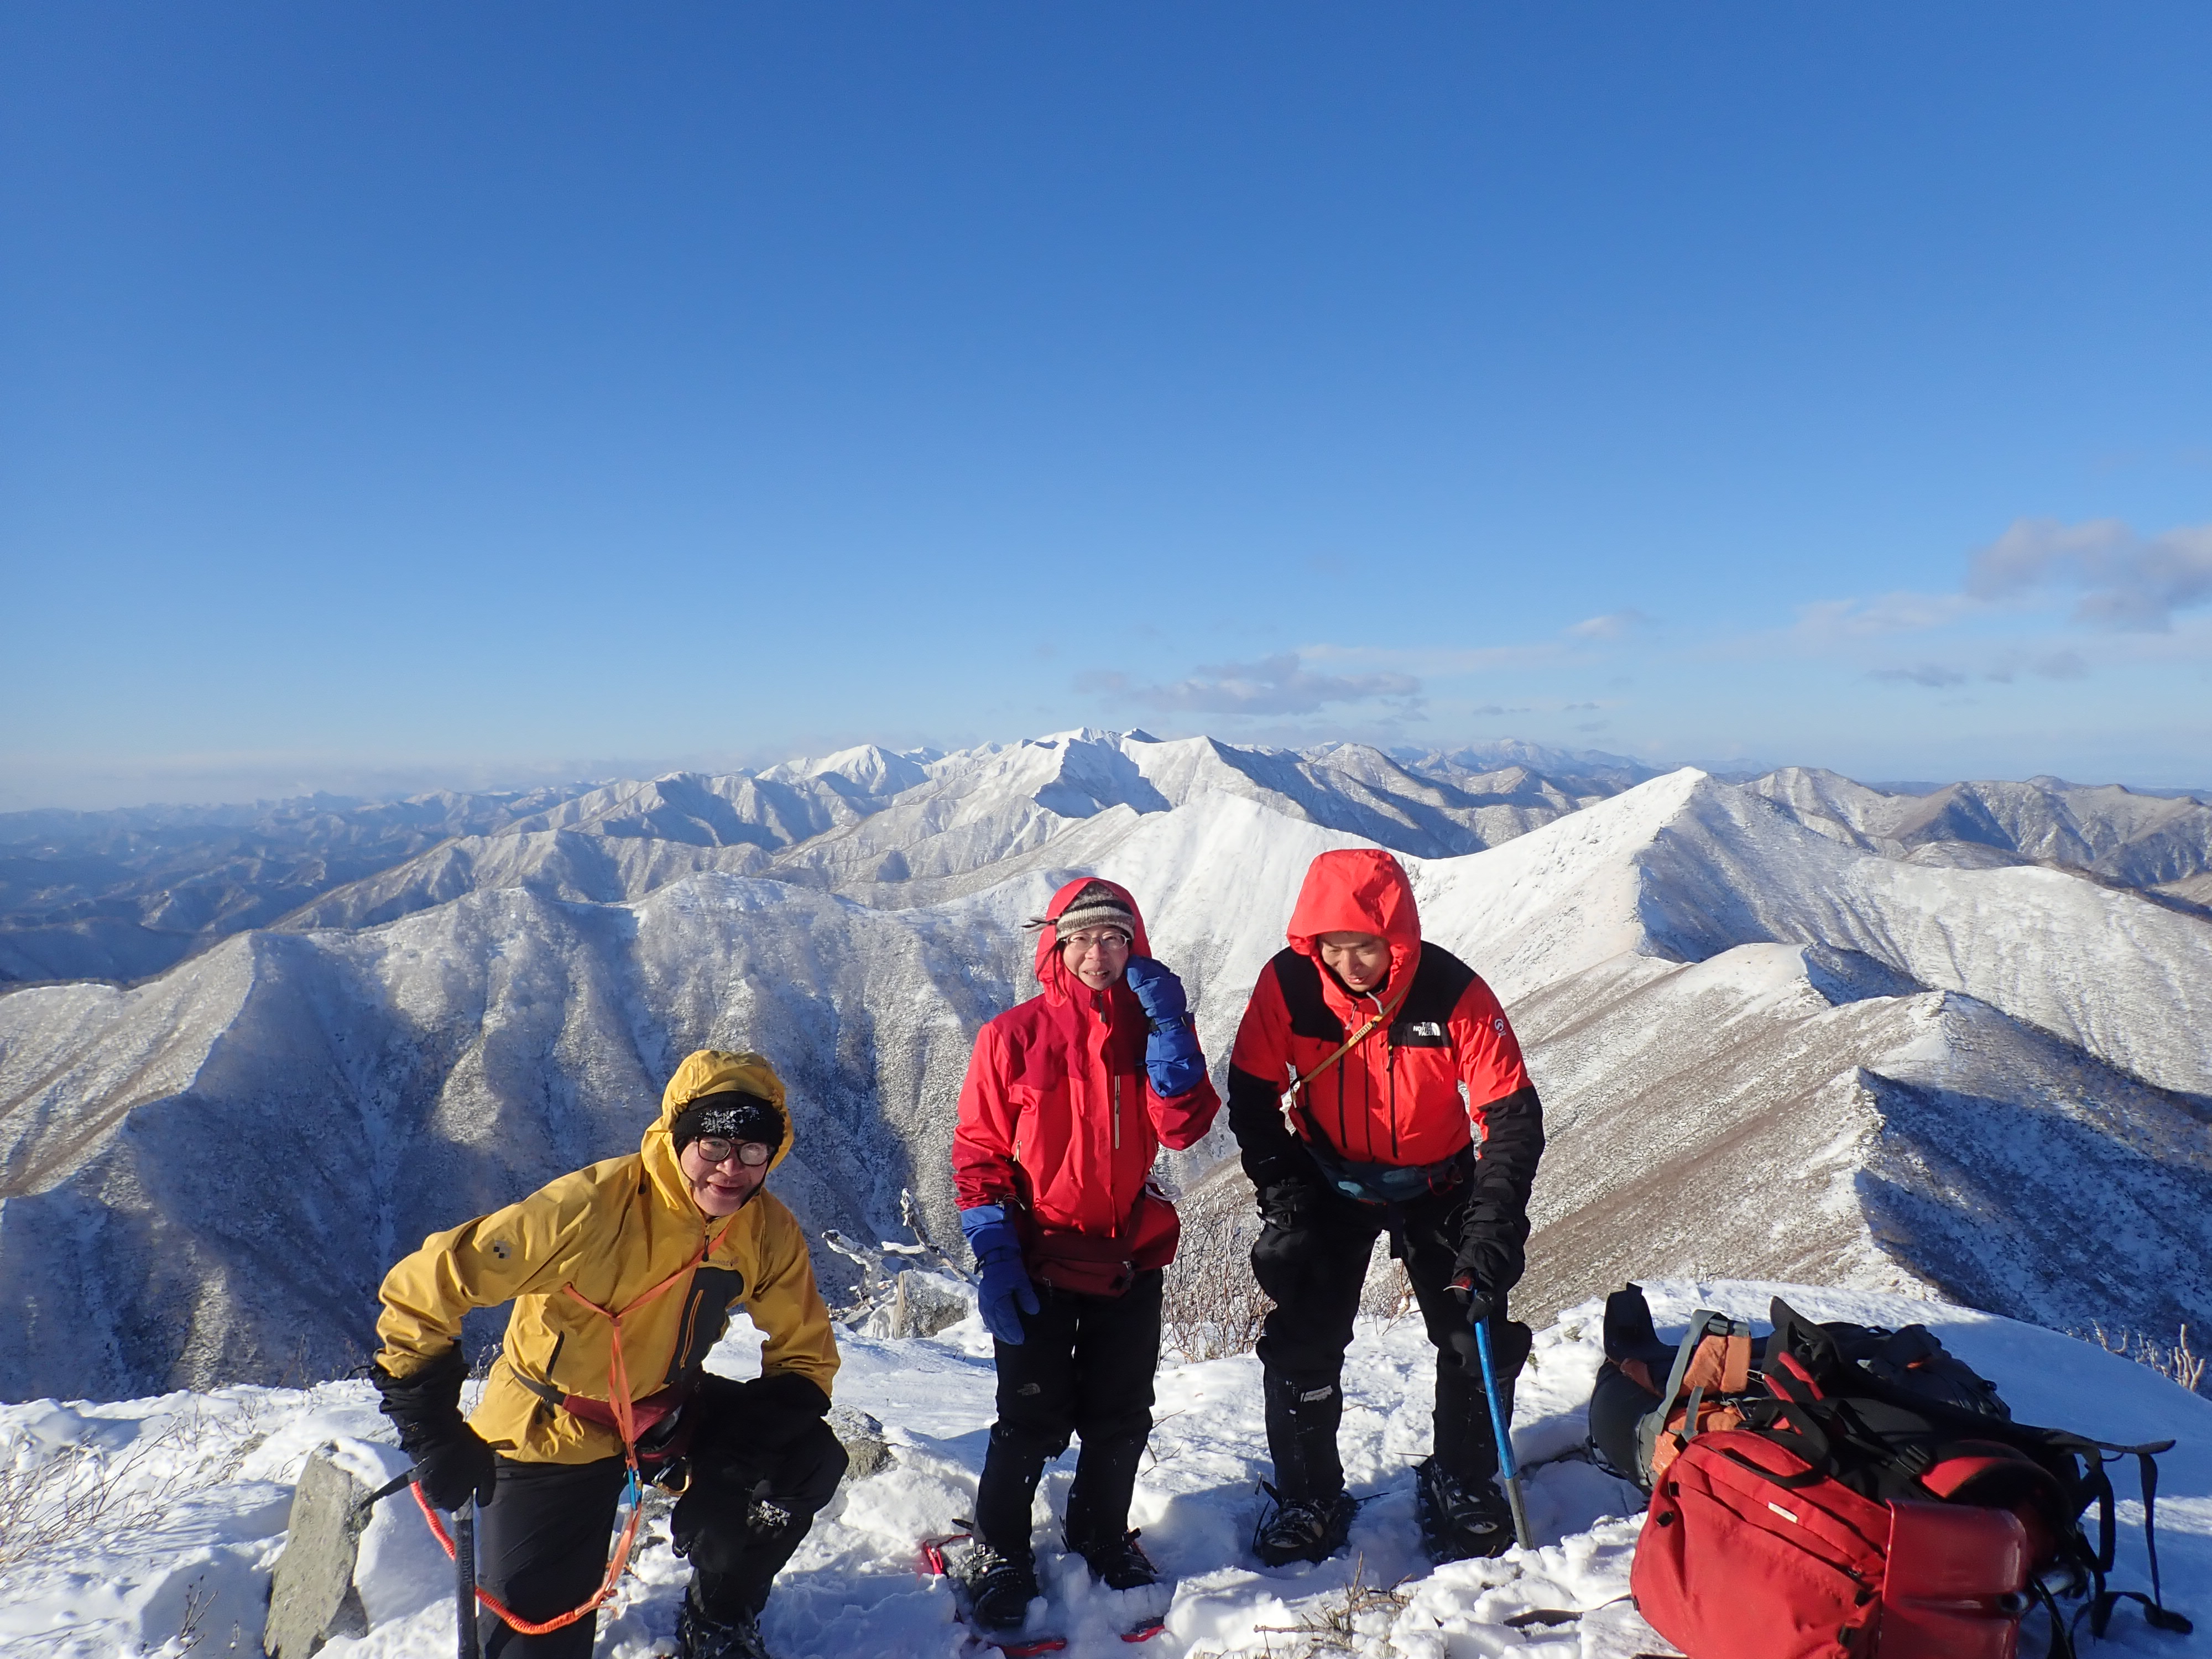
[[1442, 1065], [1394, 1098], [1057, 1111]]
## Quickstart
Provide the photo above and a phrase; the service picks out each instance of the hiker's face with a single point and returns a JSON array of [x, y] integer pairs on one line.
[[1360, 960], [721, 1188], [1095, 955]]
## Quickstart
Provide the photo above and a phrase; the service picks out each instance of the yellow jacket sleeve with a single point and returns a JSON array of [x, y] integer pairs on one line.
[[787, 1307], [525, 1248]]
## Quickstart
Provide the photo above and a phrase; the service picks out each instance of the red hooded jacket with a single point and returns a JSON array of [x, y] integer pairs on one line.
[[1057, 1112], [1395, 1097]]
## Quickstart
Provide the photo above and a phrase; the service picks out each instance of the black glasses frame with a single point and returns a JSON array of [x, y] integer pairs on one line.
[[719, 1149]]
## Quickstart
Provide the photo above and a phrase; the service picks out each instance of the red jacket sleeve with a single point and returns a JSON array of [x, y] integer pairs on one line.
[[1183, 1121], [983, 1138]]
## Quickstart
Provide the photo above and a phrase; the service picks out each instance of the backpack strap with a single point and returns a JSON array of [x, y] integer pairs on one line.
[[1713, 1356], [1294, 1098], [2105, 1602]]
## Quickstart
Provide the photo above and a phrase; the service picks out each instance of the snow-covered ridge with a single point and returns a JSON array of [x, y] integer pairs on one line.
[[1764, 1046], [203, 1482]]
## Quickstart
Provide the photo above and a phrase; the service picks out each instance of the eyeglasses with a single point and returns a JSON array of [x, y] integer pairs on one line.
[[1105, 940], [719, 1149]]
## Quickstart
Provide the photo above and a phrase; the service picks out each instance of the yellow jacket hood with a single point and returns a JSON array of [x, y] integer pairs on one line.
[[709, 1071]]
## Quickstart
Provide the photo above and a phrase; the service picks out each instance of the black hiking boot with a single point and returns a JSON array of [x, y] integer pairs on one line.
[[999, 1587], [1117, 1562], [698, 1637], [1460, 1522], [1302, 1528]]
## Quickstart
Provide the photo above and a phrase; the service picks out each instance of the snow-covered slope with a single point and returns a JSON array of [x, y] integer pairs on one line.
[[2139, 840], [1763, 1050], [200, 1484], [123, 894]]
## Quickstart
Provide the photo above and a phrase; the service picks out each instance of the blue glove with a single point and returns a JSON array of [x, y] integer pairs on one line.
[[1007, 1284], [1172, 1058]]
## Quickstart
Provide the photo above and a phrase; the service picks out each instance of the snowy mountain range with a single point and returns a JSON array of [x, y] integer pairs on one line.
[[1790, 1028]]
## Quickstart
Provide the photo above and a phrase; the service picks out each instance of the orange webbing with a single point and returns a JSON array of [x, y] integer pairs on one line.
[[515, 1620], [1719, 1368], [618, 1401], [1721, 1363]]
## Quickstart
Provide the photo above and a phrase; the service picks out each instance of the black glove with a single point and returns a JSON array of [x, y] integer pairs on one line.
[[1478, 1303], [1487, 1261], [762, 1416], [452, 1461], [1290, 1215]]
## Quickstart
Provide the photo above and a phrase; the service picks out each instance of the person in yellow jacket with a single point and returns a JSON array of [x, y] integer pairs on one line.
[[670, 1238]]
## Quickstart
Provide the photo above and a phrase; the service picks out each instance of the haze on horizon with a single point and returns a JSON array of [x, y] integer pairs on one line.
[[408, 397]]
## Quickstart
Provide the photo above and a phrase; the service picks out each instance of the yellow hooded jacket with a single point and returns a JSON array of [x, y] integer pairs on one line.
[[613, 1231]]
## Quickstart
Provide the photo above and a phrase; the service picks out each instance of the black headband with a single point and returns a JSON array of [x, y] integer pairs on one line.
[[734, 1116]]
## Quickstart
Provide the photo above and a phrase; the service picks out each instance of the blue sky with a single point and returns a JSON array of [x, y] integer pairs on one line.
[[400, 394]]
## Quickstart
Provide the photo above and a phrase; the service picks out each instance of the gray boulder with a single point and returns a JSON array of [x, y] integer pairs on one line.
[[862, 1436], [312, 1596], [923, 1304]]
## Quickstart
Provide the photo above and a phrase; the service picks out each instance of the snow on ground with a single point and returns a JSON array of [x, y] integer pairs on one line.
[[173, 1557]]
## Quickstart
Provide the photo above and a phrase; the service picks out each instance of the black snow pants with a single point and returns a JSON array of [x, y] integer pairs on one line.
[[541, 1542], [1316, 1298], [1084, 1367]]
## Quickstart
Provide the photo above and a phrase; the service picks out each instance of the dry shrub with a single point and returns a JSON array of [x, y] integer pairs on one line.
[[2174, 1362], [1212, 1308], [51, 1496], [1336, 1627]]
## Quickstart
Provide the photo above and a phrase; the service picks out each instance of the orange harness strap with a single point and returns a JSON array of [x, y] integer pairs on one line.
[[515, 1620], [618, 1400]]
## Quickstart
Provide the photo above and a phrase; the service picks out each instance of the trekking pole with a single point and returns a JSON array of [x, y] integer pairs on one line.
[[1500, 1430], [465, 1575]]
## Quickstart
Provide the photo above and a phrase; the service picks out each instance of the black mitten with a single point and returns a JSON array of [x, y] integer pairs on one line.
[[452, 1461]]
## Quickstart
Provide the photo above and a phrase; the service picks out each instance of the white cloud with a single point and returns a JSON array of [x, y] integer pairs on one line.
[[1437, 661], [1926, 673], [1612, 625], [1829, 622], [1274, 685], [2126, 580]]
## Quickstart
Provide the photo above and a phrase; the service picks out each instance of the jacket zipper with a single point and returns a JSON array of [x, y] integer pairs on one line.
[[1367, 1085], [1114, 1077], [1390, 1065]]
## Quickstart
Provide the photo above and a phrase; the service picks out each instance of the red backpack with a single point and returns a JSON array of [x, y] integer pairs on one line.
[[1852, 1516]]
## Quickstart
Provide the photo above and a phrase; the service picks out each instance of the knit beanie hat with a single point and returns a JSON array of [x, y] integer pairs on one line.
[[733, 1116], [1095, 906]]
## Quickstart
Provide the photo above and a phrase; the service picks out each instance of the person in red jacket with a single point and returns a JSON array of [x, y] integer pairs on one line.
[[1068, 1098], [1366, 1060]]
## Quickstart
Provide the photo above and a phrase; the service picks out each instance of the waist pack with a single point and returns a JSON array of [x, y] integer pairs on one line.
[[1386, 1183], [1087, 1264], [1845, 1500], [662, 1425]]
